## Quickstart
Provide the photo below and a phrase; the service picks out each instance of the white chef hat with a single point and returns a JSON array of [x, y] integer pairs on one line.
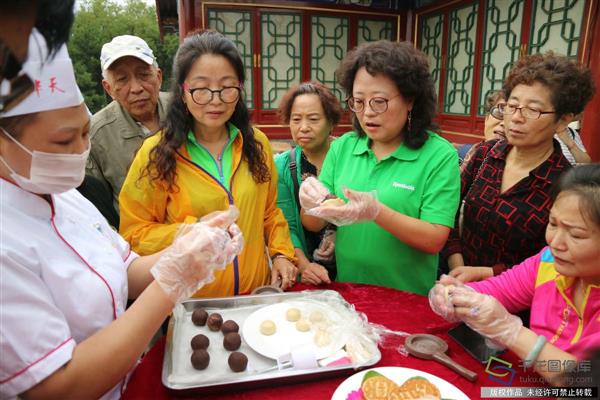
[[54, 79]]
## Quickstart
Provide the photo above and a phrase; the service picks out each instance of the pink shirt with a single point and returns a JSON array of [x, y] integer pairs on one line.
[[535, 284]]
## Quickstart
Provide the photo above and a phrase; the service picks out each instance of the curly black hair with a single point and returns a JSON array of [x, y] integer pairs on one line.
[[161, 166], [569, 82], [409, 69]]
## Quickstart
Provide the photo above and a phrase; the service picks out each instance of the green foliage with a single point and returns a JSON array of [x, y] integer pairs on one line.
[[96, 23]]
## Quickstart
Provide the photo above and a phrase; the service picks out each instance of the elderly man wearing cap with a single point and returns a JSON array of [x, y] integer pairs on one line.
[[132, 79]]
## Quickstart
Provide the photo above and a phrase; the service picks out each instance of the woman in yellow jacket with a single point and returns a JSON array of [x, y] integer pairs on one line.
[[206, 158]]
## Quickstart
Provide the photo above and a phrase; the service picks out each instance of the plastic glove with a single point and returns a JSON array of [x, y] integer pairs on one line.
[[361, 206], [326, 249], [236, 245], [221, 219], [189, 263], [312, 193], [226, 220], [484, 314], [440, 297]]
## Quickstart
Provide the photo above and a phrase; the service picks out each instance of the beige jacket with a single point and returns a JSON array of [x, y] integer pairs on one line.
[[116, 137]]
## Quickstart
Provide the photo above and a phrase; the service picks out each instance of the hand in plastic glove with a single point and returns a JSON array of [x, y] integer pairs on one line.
[[361, 206], [312, 193], [189, 262], [440, 297], [484, 314], [326, 248], [226, 220], [221, 219]]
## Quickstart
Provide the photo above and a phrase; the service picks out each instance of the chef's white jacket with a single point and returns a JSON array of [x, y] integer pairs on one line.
[[63, 277]]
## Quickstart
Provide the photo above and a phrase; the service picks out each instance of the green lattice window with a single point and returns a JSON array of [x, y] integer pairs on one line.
[[502, 40], [237, 26], [431, 44], [329, 43], [281, 56], [372, 30], [462, 29], [556, 26]]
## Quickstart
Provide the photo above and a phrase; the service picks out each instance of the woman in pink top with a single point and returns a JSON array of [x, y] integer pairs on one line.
[[561, 285]]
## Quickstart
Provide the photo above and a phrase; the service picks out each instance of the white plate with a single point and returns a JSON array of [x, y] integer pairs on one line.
[[287, 337], [399, 376]]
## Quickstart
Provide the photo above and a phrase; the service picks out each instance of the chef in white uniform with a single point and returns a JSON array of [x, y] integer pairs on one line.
[[65, 275]]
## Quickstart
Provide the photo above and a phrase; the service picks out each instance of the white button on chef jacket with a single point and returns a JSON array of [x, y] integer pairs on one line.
[[63, 277]]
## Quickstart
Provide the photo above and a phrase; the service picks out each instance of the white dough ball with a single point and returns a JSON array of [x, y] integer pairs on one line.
[[293, 314], [322, 338], [267, 327], [303, 325], [316, 316]]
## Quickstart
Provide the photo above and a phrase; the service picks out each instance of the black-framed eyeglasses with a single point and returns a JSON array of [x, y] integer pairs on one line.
[[377, 104], [21, 85], [526, 112], [496, 112], [203, 96]]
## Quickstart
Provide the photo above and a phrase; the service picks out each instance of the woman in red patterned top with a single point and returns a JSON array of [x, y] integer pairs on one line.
[[506, 184]]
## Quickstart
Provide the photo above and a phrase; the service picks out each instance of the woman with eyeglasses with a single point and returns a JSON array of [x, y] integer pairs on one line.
[[493, 124], [207, 158], [399, 180], [506, 184]]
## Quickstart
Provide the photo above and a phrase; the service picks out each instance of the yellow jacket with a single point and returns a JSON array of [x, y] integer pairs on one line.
[[151, 215]]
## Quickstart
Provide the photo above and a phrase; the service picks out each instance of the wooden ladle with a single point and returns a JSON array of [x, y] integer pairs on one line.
[[430, 347]]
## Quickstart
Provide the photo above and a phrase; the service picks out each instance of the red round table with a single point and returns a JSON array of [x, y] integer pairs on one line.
[[396, 310]]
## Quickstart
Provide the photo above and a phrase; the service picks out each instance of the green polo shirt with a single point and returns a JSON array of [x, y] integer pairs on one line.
[[220, 168], [422, 183]]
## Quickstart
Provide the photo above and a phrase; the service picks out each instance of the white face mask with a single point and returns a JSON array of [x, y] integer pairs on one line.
[[50, 173]]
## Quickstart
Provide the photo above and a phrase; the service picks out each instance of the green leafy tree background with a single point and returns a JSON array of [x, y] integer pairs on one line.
[[96, 23]]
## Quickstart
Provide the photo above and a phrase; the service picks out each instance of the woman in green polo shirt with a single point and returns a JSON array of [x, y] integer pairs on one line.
[[401, 181], [312, 111]]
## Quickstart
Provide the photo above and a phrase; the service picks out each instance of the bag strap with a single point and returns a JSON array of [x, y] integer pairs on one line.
[[478, 174], [294, 171], [461, 208]]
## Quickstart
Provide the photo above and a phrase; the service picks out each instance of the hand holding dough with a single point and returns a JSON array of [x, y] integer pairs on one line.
[[336, 202]]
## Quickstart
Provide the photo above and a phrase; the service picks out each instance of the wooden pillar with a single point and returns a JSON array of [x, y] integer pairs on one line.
[[590, 129]]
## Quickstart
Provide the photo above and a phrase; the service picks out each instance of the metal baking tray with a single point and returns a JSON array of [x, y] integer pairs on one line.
[[237, 308]]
